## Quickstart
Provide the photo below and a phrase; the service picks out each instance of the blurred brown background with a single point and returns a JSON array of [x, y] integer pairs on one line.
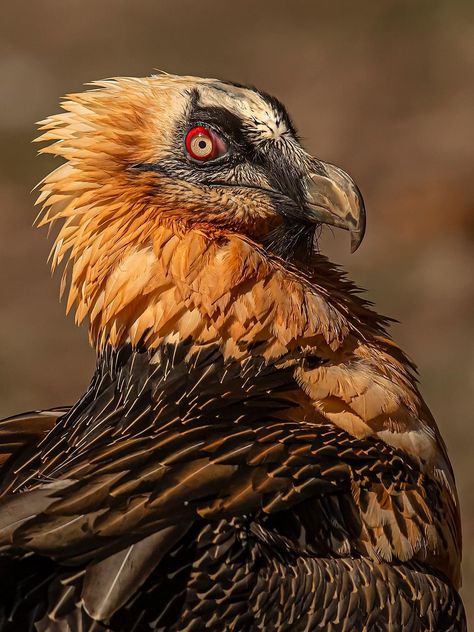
[[385, 89]]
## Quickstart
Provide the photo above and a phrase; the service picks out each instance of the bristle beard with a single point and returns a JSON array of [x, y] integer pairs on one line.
[[295, 242]]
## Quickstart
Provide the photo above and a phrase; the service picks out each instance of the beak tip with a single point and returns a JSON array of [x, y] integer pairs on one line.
[[358, 234], [355, 242], [357, 237]]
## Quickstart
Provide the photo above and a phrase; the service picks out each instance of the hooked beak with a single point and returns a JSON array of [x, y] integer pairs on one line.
[[334, 199]]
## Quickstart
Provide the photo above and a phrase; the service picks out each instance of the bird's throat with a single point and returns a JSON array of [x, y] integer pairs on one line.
[[225, 292]]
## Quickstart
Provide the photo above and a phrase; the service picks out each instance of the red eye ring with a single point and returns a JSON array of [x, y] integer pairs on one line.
[[202, 143]]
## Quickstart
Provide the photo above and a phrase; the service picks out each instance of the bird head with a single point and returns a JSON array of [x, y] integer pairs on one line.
[[189, 155]]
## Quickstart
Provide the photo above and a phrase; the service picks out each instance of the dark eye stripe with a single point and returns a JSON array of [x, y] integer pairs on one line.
[[223, 120]]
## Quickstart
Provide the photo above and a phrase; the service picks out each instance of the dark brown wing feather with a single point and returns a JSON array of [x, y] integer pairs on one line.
[[26, 430], [178, 477]]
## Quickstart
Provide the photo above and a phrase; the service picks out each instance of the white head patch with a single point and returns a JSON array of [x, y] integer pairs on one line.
[[262, 120]]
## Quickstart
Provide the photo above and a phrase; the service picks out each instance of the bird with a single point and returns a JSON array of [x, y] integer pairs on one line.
[[253, 452]]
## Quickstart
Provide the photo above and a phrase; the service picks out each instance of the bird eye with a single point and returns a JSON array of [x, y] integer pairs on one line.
[[203, 143]]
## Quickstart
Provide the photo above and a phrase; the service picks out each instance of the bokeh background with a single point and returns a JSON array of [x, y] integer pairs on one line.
[[384, 89]]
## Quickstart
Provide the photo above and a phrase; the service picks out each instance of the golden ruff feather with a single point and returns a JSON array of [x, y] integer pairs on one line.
[[244, 390]]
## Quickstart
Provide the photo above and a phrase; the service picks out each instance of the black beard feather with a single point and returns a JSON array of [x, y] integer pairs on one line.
[[294, 242]]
